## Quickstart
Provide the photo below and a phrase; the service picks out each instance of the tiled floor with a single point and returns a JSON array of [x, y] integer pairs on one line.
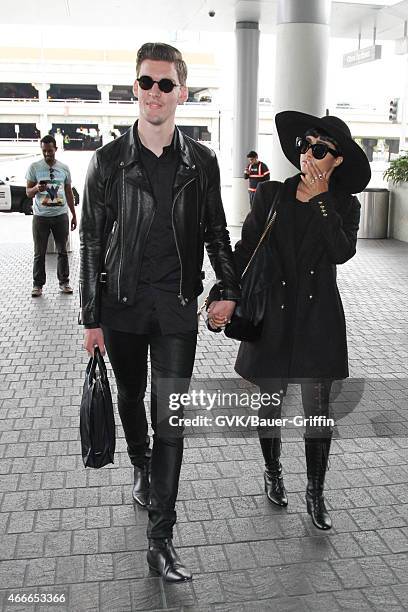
[[67, 530]]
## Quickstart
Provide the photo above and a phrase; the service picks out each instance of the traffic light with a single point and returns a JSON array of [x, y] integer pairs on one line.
[[393, 112]]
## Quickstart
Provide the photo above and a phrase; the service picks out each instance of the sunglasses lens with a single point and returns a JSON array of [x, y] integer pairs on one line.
[[302, 144], [166, 85], [146, 82], [319, 151]]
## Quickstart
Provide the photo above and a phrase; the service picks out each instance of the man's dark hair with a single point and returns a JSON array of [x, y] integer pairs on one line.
[[252, 154], [48, 139], [160, 52]]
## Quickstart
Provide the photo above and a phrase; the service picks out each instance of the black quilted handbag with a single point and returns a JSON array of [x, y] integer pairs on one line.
[[97, 422]]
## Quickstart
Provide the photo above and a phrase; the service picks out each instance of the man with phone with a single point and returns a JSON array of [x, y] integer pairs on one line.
[[151, 202], [49, 183]]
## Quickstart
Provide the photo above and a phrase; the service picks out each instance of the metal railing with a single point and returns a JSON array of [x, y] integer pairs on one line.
[[82, 100]]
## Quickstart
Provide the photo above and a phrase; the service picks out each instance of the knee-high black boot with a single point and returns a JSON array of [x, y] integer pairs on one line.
[[162, 558], [274, 486], [317, 454]]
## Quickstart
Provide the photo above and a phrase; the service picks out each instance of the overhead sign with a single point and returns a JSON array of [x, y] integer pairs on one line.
[[361, 56], [5, 197]]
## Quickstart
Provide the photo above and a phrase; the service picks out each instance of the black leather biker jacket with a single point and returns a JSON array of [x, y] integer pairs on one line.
[[117, 213]]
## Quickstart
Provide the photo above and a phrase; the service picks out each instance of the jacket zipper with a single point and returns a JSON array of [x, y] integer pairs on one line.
[[181, 298], [122, 230], [113, 230], [80, 317]]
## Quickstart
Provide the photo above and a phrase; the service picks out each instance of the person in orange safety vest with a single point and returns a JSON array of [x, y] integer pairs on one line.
[[256, 172]]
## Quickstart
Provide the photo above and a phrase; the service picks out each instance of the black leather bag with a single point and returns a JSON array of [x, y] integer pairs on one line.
[[246, 322], [97, 422]]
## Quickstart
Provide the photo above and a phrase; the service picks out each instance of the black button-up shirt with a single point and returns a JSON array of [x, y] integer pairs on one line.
[[158, 308]]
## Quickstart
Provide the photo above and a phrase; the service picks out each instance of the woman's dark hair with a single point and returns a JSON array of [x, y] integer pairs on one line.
[[162, 52], [323, 136], [48, 139]]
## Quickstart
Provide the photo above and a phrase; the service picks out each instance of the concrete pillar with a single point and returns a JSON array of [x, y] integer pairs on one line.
[[105, 91], [302, 49], [245, 123], [43, 124], [42, 89], [105, 128]]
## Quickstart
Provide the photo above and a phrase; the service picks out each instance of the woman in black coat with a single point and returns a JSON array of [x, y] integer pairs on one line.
[[304, 332]]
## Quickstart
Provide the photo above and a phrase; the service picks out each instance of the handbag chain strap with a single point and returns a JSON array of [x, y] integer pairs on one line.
[[264, 233]]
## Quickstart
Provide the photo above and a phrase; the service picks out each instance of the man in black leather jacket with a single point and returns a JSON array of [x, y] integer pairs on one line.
[[151, 202]]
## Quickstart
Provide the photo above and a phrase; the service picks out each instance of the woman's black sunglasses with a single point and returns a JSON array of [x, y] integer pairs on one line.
[[165, 85], [319, 149]]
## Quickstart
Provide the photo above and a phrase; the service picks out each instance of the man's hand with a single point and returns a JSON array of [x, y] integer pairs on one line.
[[41, 186], [73, 223], [94, 337], [220, 312]]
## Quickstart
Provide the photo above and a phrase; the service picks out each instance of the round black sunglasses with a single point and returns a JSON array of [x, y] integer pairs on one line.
[[319, 149], [165, 85]]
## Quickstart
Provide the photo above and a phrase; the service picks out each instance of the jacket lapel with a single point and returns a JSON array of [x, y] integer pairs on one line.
[[187, 167], [183, 176]]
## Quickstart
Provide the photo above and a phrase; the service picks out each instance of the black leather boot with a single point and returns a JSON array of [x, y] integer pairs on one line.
[[140, 492], [165, 562], [274, 486], [317, 454]]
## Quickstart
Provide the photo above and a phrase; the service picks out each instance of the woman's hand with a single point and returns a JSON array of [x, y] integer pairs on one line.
[[220, 313], [315, 181]]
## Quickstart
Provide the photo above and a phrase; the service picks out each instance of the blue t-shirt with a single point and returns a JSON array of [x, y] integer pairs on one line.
[[52, 201]]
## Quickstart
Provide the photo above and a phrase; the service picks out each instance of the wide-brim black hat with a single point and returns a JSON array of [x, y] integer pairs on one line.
[[353, 174]]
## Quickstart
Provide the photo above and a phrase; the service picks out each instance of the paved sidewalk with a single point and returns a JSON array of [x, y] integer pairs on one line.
[[67, 530]]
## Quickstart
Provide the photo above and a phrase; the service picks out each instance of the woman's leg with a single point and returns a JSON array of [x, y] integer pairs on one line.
[[318, 435], [270, 441]]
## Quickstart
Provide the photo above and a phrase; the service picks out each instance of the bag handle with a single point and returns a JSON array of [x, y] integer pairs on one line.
[[269, 223], [97, 360]]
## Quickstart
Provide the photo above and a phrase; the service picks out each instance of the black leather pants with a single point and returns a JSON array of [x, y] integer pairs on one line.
[[171, 358]]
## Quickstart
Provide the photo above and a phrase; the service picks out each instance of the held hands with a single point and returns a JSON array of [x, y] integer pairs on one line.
[[315, 181], [220, 313], [92, 338]]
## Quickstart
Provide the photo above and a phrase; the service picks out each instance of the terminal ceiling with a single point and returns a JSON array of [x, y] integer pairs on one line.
[[347, 18]]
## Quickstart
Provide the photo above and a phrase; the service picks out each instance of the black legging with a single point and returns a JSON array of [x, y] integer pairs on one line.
[[315, 401]]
